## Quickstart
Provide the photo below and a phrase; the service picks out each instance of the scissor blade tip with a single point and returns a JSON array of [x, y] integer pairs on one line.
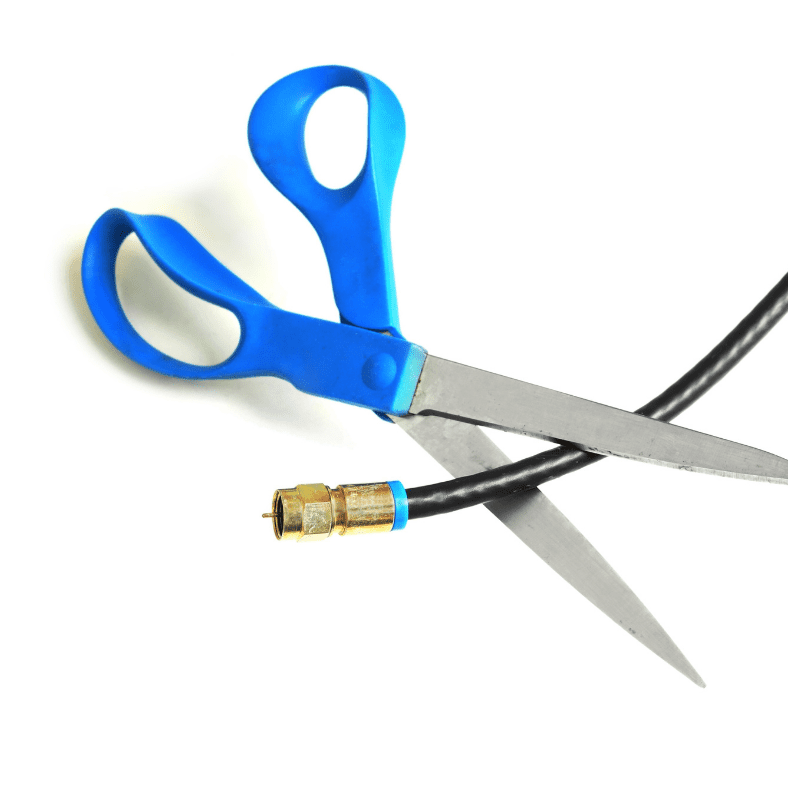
[[692, 674], [778, 471], [662, 645]]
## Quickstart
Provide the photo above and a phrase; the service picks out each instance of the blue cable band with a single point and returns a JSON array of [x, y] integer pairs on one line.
[[400, 505]]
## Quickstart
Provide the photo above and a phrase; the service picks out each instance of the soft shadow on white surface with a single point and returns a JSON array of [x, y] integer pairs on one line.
[[193, 330]]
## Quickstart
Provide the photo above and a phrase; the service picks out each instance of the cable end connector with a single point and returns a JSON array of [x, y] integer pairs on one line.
[[311, 512]]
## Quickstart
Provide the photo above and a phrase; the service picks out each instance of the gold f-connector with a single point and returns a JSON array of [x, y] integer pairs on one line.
[[311, 512]]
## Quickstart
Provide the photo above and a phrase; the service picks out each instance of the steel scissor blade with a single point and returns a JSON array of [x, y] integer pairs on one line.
[[463, 449], [458, 392]]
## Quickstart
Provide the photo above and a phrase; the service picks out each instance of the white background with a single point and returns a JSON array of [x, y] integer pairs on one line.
[[592, 195]]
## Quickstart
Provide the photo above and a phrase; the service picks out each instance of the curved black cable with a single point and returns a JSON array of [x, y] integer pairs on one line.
[[481, 487]]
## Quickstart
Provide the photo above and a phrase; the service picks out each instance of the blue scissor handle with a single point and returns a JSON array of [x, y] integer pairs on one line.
[[352, 222], [330, 360]]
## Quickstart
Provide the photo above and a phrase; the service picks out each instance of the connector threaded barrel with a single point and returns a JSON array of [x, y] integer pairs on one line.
[[311, 512]]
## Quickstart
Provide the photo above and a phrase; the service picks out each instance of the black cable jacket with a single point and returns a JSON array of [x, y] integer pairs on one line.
[[482, 487]]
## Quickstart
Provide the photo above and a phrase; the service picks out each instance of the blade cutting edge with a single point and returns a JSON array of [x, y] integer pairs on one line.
[[458, 392], [463, 449]]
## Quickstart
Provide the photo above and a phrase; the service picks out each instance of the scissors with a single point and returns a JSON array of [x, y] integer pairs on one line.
[[365, 360]]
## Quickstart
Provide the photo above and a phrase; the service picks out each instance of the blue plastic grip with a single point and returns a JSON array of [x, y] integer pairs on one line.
[[352, 222], [400, 505], [331, 360]]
